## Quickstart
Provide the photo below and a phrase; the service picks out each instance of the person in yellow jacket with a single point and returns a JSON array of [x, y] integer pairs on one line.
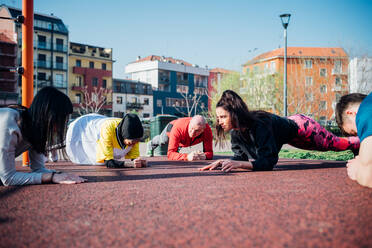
[[97, 139]]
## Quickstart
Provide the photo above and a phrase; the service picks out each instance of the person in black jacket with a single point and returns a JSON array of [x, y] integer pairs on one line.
[[259, 135]]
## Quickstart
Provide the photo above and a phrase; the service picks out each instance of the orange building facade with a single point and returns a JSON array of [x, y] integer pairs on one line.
[[316, 78]]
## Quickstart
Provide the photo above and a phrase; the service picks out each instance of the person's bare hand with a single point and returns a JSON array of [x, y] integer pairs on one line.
[[139, 162], [212, 166], [228, 165], [67, 178], [201, 155], [352, 168], [192, 156]]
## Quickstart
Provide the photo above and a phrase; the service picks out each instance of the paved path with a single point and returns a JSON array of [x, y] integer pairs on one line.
[[301, 203]]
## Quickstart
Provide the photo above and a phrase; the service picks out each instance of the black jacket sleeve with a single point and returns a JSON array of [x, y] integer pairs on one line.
[[114, 163]]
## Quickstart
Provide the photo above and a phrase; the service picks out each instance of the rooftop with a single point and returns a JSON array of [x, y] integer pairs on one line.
[[162, 59], [296, 52], [5, 39]]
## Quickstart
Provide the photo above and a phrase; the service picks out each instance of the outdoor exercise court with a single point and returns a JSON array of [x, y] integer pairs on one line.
[[302, 203]]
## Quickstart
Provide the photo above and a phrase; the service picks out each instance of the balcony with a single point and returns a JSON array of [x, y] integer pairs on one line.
[[42, 64], [86, 71], [60, 66], [338, 71], [60, 48], [60, 84], [77, 87], [337, 88], [134, 105]]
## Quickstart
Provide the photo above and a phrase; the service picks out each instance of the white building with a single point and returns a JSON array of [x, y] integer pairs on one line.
[[172, 80], [132, 96], [360, 75]]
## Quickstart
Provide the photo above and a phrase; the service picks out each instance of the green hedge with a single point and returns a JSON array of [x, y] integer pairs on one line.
[[304, 154]]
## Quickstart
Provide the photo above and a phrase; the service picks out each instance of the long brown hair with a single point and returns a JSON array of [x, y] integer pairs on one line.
[[241, 117]]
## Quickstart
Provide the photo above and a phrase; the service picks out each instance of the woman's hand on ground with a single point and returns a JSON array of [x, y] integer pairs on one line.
[[67, 178], [212, 166]]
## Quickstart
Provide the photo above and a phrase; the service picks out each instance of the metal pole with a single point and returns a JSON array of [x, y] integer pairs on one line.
[[37, 63], [285, 73], [27, 58]]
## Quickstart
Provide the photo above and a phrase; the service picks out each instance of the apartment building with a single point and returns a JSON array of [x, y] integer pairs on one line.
[[90, 76], [316, 77], [50, 47], [176, 84], [360, 75], [214, 79], [132, 96], [8, 80]]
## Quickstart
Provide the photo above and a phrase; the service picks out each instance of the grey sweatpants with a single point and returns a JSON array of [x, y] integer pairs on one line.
[[158, 140]]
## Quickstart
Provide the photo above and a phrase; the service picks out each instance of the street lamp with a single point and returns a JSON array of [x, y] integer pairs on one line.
[[285, 21]]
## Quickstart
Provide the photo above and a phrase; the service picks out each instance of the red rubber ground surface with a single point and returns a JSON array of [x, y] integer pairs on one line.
[[170, 204]]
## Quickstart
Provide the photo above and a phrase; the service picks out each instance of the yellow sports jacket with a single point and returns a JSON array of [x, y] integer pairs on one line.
[[107, 142]]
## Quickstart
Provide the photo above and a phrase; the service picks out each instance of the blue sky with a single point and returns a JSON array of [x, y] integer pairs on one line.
[[213, 33]]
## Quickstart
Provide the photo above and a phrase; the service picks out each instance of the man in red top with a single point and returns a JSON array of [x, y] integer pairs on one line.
[[184, 132]]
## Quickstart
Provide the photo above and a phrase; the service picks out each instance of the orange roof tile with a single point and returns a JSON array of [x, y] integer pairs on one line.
[[301, 52], [163, 59], [6, 39], [221, 70]]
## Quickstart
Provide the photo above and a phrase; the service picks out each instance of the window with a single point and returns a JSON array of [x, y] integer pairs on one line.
[[41, 57], [159, 103], [309, 81], [104, 83], [323, 105], [272, 66], [41, 76], [323, 88], [41, 41], [146, 115], [59, 80], [78, 81], [338, 96], [59, 46], [95, 82], [78, 98], [338, 66], [146, 101], [182, 89], [59, 62], [103, 66], [91, 64], [322, 120], [309, 97], [78, 63], [199, 91], [308, 64], [322, 60], [119, 100], [338, 82], [323, 72]]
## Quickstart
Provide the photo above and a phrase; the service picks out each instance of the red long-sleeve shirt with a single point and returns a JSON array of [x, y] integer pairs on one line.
[[179, 137]]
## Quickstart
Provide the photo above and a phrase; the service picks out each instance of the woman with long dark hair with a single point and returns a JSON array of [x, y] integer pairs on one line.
[[35, 129], [260, 135]]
